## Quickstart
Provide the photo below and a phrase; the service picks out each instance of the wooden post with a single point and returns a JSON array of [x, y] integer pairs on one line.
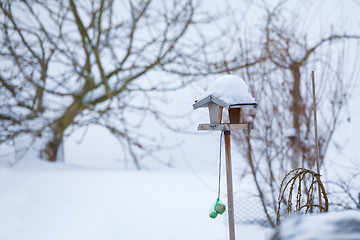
[[316, 134], [229, 185], [315, 123]]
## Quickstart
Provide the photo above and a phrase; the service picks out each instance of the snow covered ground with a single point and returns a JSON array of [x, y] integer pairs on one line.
[[330, 226], [50, 201]]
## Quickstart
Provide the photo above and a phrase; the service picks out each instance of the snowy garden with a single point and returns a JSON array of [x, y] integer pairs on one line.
[[179, 120]]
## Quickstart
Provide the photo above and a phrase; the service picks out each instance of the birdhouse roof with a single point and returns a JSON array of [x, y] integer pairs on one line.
[[204, 103], [229, 92]]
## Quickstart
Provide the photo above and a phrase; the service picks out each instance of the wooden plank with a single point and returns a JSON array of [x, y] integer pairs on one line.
[[230, 196], [202, 102], [224, 126], [235, 115], [219, 102], [215, 113]]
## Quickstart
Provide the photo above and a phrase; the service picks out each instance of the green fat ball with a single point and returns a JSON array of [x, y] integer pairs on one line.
[[213, 214], [220, 208]]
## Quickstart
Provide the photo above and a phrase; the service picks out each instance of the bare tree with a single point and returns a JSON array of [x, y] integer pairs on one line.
[[277, 68], [67, 64], [345, 192]]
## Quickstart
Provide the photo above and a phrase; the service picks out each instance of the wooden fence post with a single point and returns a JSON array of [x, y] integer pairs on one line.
[[230, 195]]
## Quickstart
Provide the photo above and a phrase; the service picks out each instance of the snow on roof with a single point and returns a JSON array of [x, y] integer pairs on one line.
[[230, 89]]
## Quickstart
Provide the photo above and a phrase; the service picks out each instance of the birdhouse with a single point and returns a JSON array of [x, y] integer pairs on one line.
[[230, 93], [216, 106]]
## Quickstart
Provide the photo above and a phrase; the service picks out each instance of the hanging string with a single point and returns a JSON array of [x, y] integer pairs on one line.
[[221, 134]]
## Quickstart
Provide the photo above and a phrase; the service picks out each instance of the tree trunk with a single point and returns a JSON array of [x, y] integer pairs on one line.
[[59, 127], [297, 111]]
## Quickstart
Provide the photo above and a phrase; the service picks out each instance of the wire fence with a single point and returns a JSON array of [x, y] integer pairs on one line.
[[249, 210]]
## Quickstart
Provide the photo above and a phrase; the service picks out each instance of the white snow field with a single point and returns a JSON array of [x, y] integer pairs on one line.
[[55, 201]]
